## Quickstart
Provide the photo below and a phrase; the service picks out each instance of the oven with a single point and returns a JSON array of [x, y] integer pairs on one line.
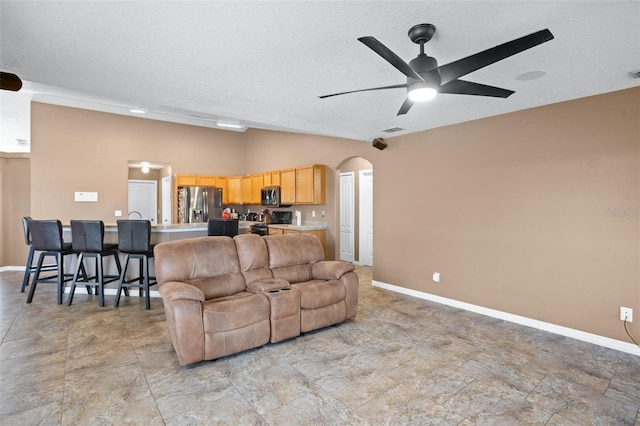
[[260, 228]]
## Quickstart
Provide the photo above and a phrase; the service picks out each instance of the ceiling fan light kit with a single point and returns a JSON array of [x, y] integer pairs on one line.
[[425, 78]]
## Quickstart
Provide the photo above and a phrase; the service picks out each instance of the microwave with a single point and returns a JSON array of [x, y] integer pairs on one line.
[[270, 196]]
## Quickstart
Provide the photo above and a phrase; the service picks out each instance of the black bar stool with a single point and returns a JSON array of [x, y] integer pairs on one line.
[[87, 239], [46, 237], [29, 268], [134, 240], [222, 227]]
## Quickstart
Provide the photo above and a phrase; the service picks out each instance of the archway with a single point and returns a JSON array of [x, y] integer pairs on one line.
[[355, 211]]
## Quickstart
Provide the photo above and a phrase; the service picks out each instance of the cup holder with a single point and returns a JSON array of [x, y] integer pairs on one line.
[[273, 291], [285, 289]]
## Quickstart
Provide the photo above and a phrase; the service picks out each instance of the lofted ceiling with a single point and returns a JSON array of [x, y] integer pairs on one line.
[[264, 63]]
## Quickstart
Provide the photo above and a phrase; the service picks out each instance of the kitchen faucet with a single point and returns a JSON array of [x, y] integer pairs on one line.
[[136, 212]]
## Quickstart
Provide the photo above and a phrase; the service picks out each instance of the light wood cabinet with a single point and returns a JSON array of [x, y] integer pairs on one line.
[[273, 231], [186, 180], [234, 190], [208, 181], [246, 189], [257, 183], [311, 184], [272, 178], [288, 186]]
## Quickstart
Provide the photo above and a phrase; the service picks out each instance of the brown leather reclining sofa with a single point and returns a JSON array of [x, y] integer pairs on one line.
[[224, 295]]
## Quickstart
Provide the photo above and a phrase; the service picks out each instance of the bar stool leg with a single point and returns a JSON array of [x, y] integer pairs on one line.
[[27, 270], [72, 290], [32, 290], [60, 259], [122, 277], [147, 301]]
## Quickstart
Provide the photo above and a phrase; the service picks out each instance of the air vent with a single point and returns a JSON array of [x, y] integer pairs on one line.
[[392, 129], [634, 74]]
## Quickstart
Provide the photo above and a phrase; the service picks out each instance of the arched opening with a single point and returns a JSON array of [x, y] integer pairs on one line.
[[355, 211]]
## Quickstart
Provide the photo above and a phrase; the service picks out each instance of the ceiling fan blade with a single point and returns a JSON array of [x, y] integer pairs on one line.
[[395, 86], [10, 81], [463, 87], [453, 70], [390, 57], [406, 106]]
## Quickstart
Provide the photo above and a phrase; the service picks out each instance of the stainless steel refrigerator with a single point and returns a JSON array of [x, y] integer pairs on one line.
[[199, 204]]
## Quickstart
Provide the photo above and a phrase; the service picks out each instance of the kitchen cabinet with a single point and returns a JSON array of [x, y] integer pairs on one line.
[[186, 180], [246, 189], [208, 181], [272, 178], [257, 183], [273, 231], [288, 186], [311, 184], [234, 190]]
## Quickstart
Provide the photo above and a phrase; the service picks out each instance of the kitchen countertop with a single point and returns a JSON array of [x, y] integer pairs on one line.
[[303, 227]]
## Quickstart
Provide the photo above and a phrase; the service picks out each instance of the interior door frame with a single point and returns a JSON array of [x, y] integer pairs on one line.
[[365, 193], [347, 208]]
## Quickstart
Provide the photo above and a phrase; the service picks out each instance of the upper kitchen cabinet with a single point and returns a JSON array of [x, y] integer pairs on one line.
[[272, 178], [257, 183], [234, 190], [288, 186], [246, 189], [311, 184], [206, 181], [186, 180]]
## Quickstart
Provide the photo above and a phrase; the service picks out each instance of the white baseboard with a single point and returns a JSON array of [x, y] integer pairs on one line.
[[11, 268], [541, 325]]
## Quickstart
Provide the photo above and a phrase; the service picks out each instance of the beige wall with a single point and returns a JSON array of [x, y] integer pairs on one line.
[[519, 213], [514, 212], [14, 196], [80, 150]]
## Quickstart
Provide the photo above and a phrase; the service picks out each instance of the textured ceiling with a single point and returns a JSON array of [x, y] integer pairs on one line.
[[265, 62]]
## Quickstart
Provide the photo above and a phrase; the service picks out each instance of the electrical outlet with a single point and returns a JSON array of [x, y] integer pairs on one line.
[[118, 213], [436, 277], [313, 213], [626, 314]]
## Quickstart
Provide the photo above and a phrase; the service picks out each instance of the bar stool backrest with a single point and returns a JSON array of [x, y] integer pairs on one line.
[[224, 227], [46, 235], [25, 227], [134, 236], [87, 235]]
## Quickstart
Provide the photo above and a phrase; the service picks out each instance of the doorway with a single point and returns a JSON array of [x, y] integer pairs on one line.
[[353, 212], [347, 216], [143, 200]]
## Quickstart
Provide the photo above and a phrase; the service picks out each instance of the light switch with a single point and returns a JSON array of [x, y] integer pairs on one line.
[[118, 213]]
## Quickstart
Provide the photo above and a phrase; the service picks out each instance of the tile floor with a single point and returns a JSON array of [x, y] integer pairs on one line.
[[401, 361]]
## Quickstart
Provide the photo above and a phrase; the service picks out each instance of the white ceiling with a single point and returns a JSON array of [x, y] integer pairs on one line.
[[265, 63]]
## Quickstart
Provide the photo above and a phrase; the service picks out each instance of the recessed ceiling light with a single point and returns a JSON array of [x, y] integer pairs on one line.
[[531, 75], [230, 124], [138, 110]]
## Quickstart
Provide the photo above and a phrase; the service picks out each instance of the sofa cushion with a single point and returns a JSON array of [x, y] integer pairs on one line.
[[209, 263], [293, 249], [253, 257], [316, 294], [233, 312]]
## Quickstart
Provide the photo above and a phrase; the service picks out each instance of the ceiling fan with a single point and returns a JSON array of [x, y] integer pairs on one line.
[[10, 81], [425, 78]]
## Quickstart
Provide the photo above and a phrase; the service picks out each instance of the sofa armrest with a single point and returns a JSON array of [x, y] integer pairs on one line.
[[174, 290], [331, 269], [267, 284]]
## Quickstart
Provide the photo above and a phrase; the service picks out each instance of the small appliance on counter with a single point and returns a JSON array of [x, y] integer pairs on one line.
[[281, 217]]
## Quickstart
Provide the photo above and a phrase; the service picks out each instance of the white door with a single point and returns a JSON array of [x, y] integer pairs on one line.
[[366, 217], [143, 200], [167, 216], [347, 216]]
